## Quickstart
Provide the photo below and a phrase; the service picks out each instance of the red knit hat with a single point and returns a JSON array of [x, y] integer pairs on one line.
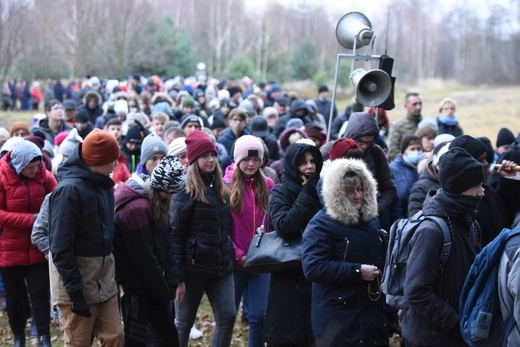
[[340, 147], [198, 143], [99, 148]]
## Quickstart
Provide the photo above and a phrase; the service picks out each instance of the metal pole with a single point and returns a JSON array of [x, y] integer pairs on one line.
[[333, 97]]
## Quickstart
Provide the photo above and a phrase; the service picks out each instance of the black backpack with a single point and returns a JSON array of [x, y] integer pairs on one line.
[[398, 251]]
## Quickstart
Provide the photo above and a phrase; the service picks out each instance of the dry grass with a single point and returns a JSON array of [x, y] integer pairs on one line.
[[481, 112]]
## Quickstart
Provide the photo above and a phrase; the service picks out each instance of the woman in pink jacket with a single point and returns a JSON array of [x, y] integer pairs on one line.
[[24, 182], [249, 192]]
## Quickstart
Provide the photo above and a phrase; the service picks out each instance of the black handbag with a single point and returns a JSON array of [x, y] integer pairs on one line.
[[268, 252]]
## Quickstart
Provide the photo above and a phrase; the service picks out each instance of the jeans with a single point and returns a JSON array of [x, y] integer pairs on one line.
[[220, 292], [37, 278], [256, 298]]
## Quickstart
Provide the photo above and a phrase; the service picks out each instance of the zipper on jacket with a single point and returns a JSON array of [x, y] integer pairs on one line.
[[254, 207], [346, 249], [28, 210], [194, 250], [220, 238]]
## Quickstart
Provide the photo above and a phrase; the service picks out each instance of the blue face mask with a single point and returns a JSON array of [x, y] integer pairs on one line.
[[413, 157]]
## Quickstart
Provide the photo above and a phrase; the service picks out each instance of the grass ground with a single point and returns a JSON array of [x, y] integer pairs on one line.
[[481, 112]]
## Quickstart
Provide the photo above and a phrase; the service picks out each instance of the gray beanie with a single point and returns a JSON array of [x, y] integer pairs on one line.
[[70, 143], [152, 144], [23, 153]]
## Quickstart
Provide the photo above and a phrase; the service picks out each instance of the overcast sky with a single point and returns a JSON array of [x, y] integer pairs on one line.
[[339, 7]]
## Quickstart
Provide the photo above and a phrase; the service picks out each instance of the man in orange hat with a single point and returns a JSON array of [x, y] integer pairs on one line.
[[81, 222]]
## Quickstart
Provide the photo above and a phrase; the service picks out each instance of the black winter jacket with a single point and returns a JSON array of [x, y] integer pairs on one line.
[[454, 130], [201, 234], [81, 220], [281, 125], [336, 242], [427, 181], [145, 262], [432, 315], [291, 207]]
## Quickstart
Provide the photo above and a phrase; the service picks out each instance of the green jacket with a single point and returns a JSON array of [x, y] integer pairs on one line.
[[404, 126]]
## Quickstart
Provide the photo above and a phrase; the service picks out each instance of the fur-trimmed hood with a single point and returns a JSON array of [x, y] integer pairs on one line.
[[92, 94], [333, 190]]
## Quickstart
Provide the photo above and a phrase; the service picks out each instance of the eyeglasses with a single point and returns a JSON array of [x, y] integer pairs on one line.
[[362, 143], [239, 120]]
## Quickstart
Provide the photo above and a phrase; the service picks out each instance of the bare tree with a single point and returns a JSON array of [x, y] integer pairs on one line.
[[13, 20]]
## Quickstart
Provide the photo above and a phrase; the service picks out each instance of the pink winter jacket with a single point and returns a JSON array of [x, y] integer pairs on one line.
[[243, 227]]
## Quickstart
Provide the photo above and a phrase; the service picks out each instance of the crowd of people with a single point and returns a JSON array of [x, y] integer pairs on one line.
[[127, 201]]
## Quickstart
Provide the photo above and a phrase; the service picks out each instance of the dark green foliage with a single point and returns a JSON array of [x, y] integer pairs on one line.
[[303, 60], [169, 50], [241, 66]]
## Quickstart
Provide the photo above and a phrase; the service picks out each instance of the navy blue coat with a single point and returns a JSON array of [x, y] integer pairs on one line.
[[405, 175], [346, 309]]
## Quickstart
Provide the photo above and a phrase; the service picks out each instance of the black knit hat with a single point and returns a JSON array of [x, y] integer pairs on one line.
[[134, 135], [408, 140], [459, 171], [82, 116], [490, 152], [474, 147], [505, 137]]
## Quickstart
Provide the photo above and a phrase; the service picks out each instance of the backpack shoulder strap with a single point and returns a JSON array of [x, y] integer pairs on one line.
[[447, 238], [513, 243]]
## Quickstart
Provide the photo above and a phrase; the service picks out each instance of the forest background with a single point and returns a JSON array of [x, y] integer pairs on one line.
[[472, 42]]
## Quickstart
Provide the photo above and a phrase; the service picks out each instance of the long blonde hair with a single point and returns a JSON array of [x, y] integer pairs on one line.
[[237, 190], [195, 185]]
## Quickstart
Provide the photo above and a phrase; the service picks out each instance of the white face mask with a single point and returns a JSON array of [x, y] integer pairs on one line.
[[413, 157]]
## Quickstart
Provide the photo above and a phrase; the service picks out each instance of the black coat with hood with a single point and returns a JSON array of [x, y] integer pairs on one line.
[[145, 263], [296, 105], [336, 242], [291, 207], [43, 127], [81, 229], [364, 124], [428, 180], [432, 315], [96, 111]]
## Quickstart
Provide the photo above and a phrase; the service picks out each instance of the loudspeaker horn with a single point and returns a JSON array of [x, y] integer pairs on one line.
[[354, 26], [372, 87]]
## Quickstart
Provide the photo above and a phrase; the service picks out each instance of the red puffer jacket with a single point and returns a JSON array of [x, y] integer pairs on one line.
[[20, 199]]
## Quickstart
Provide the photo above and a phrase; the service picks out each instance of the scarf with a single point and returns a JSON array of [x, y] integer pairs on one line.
[[450, 121]]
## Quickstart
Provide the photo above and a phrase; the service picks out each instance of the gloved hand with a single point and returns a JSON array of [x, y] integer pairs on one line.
[[310, 185], [79, 305]]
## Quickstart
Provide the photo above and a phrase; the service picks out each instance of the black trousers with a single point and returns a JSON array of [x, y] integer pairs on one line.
[[20, 280], [142, 316]]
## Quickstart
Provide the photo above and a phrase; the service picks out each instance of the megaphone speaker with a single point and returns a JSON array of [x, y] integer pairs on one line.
[[386, 63], [354, 26], [372, 87]]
